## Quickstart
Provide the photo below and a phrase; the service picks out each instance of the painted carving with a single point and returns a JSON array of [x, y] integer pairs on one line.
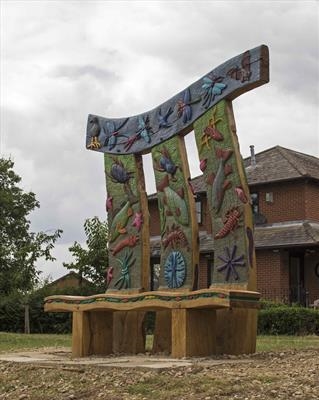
[[175, 270], [138, 220], [94, 131], [109, 204], [120, 221], [109, 276], [211, 131], [163, 121], [118, 173], [212, 86], [112, 134], [165, 163], [242, 73], [175, 236], [241, 194], [130, 241], [218, 180], [174, 202], [231, 261], [184, 106], [231, 222], [124, 281], [138, 133], [229, 209]]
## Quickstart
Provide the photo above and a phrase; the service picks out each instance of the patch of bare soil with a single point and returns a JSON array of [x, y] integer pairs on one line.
[[285, 375]]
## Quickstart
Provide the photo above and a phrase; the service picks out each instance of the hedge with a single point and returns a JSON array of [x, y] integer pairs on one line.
[[288, 320]]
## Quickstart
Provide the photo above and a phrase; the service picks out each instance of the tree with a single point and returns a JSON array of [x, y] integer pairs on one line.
[[91, 263], [19, 248]]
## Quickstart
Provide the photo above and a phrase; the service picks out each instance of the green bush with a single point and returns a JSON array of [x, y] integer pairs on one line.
[[288, 320], [12, 311]]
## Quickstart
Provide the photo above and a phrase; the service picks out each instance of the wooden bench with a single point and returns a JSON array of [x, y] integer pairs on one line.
[[189, 321]]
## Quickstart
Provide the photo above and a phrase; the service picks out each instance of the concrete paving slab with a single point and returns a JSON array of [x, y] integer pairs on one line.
[[62, 357]]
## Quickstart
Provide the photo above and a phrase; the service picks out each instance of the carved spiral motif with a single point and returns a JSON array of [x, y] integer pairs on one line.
[[175, 270]]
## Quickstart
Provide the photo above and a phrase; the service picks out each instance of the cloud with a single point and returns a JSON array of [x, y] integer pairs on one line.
[[64, 60]]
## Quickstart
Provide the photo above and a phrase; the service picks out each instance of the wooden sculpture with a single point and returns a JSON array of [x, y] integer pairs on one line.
[[190, 322]]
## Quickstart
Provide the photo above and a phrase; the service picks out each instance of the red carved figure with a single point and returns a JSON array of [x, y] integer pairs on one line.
[[175, 236], [130, 241], [230, 223]]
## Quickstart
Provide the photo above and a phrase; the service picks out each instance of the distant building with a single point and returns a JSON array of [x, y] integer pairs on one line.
[[72, 279], [284, 188]]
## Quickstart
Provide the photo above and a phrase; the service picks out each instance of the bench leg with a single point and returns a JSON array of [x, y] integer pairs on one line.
[[193, 332], [163, 332], [92, 333], [128, 332], [236, 331]]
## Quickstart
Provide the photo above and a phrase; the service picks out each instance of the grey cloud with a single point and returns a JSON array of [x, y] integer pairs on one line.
[[78, 71]]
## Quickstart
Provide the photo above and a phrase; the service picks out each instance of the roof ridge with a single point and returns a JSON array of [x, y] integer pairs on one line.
[[286, 153]]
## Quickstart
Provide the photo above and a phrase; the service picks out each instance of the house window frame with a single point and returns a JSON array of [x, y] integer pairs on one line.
[[199, 210], [254, 198]]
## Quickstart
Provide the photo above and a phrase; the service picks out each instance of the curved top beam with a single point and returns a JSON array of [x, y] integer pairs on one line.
[[139, 133]]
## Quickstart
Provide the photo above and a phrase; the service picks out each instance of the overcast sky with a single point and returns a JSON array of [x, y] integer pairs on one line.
[[61, 60]]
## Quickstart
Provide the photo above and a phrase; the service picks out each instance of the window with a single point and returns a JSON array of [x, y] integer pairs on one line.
[[199, 210], [254, 197]]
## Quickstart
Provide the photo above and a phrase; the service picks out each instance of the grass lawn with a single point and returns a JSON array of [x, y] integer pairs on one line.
[[19, 341]]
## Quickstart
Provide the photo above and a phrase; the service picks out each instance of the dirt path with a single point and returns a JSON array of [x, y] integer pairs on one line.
[[51, 374]]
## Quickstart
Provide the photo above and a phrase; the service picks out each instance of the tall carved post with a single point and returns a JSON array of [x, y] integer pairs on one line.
[[231, 214]]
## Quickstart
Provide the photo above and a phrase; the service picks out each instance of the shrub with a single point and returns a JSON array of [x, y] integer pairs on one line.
[[12, 311], [286, 320]]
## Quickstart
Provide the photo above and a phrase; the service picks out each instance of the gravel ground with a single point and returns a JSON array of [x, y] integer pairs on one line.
[[284, 375]]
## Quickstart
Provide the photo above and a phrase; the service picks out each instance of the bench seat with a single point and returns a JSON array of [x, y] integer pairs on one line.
[[189, 323]]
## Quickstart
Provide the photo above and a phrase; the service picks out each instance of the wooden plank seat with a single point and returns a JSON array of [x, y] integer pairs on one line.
[[189, 322], [189, 308]]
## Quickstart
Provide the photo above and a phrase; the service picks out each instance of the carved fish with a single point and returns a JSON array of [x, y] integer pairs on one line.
[[120, 221], [130, 241], [174, 201], [138, 220], [219, 182]]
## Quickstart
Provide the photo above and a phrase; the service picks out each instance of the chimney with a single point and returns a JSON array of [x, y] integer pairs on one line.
[[252, 155]]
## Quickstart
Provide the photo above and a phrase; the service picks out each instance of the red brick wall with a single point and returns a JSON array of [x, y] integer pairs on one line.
[[312, 201], [272, 274], [155, 226], [288, 201]]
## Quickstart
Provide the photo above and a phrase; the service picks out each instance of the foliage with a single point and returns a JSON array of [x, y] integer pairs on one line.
[[287, 320], [91, 263], [19, 248], [12, 310]]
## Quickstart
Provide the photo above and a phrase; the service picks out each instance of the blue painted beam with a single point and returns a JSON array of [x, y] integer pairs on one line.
[[139, 133]]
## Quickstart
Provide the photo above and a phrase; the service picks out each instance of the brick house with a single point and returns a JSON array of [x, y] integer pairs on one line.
[[284, 187]]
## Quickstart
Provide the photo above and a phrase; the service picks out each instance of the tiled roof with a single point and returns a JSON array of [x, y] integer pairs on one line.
[[279, 163], [272, 165], [296, 233]]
